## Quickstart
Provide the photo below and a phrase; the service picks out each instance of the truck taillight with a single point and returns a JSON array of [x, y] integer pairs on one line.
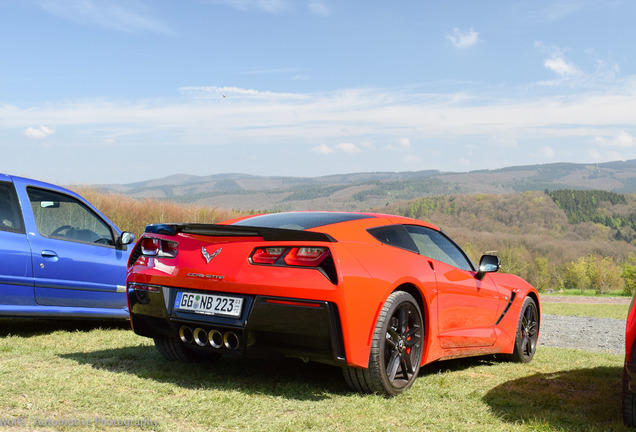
[[160, 248]]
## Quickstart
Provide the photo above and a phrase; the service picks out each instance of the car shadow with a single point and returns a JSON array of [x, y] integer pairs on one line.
[[282, 377], [458, 364], [28, 327], [570, 400], [278, 376]]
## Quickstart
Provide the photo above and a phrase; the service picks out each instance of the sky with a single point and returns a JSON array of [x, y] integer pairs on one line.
[[120, 91]]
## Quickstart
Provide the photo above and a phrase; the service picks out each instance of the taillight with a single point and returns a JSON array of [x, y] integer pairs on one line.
[[291, 256], [160, 248], [297, 256], [143, 287], [267, 255], [306, 256]]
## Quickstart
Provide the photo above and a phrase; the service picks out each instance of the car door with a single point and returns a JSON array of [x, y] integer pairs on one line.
[[16, 274], [467, 306], [75, 261]]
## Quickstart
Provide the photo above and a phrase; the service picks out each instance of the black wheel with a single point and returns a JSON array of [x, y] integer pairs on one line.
[[527, 332], [175, 350], [396, 349], [629, 402]]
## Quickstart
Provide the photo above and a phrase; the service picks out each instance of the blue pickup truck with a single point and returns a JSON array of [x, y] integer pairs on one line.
[[59, 256]]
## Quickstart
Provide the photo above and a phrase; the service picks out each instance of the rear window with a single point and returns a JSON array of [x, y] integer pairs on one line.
[[300, 220]]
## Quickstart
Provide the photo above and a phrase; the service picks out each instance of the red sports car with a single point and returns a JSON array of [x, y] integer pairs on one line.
[[378, 295], [629, 368]]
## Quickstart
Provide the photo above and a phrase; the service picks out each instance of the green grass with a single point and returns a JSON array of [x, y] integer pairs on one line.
[[76, 372], [588, 293], [617, 311]]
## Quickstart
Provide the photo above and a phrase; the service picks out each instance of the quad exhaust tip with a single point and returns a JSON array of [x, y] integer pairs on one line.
[[230, 340]]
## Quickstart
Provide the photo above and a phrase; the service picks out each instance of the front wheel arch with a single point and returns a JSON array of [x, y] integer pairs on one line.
[[527, 331]]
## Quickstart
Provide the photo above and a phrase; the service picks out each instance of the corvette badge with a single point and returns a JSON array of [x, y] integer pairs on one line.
[[209, 257]]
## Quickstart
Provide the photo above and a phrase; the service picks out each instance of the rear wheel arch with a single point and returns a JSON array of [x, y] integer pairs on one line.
[[421, 301], [397, 347]]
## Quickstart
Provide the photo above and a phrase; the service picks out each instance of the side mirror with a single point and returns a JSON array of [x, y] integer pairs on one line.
[[125, 238], [488, 264]]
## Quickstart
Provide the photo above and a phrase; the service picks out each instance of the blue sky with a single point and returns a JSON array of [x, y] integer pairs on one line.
[[117, 91]]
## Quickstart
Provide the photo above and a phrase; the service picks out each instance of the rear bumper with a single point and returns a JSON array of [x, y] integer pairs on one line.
[[267, 325]]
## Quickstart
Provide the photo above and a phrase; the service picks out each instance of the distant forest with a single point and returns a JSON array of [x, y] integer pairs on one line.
[[588, 206], [565, 239]]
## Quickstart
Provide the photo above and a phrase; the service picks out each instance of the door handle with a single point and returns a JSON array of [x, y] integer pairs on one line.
[[49, 254]]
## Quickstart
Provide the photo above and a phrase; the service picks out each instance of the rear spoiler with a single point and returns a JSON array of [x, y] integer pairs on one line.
[[216, 230]]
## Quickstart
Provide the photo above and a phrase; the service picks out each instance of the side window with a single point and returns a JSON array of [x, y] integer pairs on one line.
[[394, 235], [10, 213], [434, 244], [63, 217]]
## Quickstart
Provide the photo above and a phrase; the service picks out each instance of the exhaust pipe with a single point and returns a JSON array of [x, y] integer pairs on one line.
[[200, 337], [185, 334], [216, 339], [231, 340]]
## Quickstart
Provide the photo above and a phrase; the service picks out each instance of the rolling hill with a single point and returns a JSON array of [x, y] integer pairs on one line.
[[362, 191]]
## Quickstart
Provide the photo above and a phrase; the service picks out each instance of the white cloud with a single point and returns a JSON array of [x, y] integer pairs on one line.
[[270, 6], [411, 160], [548, 152], [39, 132], [344, 147], [463, 39], [557, 61], [348, 147], [561, 66], [318, 8], [125, 16], [386, 117], [621, 140], [404, 144], [323, 149]]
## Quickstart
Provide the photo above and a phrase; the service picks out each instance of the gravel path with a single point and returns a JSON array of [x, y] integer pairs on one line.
[[585, 333]]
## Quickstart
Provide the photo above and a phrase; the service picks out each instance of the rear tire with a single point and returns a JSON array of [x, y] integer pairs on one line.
[[175, 350], [396, 349], [527, 332]]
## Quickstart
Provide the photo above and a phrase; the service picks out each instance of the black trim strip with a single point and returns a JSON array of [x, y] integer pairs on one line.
[[215, 230], [513, 295]]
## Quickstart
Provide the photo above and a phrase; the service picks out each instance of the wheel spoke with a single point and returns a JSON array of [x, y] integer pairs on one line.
[[392, 337], [392, 366], [407, 367], [403, 319], [532, 329]]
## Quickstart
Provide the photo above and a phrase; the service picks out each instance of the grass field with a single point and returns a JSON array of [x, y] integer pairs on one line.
[[74, 376]]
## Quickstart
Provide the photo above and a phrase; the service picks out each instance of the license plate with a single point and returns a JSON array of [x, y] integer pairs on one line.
[[209, 304]]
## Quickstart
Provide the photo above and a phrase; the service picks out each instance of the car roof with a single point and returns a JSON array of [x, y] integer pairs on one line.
[[310, 220]]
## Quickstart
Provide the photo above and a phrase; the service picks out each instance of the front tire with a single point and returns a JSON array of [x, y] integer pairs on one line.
[[396, 349], [527, 332]]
